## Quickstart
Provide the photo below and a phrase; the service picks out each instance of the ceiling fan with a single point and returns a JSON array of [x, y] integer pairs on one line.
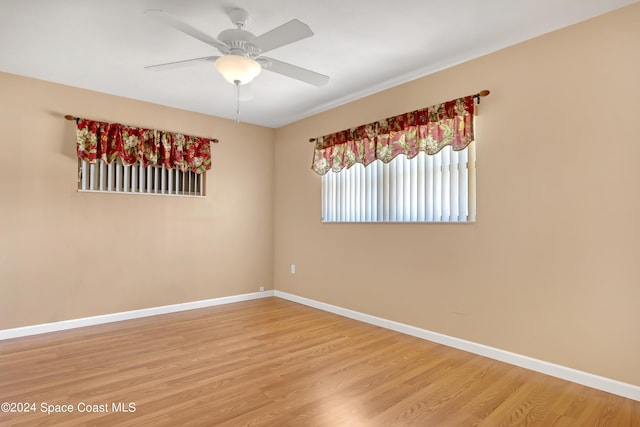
[[240, 59]]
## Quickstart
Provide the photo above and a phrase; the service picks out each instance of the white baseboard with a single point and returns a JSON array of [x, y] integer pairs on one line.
[[580, 377], [126, 315]]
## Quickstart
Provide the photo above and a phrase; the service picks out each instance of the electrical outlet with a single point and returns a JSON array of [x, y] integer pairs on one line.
[[293, 269], [261, 288]]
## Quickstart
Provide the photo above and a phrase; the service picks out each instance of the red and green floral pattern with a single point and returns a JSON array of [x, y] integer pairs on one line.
[[428, 129], [108, 141]]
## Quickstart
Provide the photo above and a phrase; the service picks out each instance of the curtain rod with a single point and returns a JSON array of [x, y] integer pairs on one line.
[[70, 117], [477, 97]]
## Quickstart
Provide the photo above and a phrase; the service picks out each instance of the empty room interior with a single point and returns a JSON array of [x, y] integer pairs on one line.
[[249, 301]]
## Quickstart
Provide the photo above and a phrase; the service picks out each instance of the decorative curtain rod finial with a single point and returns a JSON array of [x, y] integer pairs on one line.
[[480, 94]]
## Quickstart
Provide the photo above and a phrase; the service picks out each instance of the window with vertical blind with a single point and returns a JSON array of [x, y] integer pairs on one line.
[[416, 167], [426, 188], [116, 158]]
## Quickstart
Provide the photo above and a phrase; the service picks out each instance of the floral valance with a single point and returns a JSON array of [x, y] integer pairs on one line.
[[428, 129], [109, 141]]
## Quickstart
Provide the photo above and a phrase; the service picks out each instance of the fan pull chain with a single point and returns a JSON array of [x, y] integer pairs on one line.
[[237, 84]]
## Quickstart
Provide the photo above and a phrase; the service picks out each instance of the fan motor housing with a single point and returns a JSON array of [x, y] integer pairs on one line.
[[238, 40]]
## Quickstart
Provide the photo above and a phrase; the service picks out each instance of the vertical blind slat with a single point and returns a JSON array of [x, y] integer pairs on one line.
[[454, 186], [445, 185], [413, 190], [471, 167], [92, 179], [379, 177], [127, 178], [370, 188], [391, 191], [83, 174], [421, 163], [363, 193], [405, 189], [102, 177]]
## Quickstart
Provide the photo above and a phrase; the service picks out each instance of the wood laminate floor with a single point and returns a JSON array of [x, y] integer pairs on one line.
[[272, 362]]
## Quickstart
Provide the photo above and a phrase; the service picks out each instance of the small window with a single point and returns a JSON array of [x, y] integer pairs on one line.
[[426, 188], [135, 179]]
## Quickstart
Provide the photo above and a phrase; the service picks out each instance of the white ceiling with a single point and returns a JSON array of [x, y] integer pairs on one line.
[[363, 45]]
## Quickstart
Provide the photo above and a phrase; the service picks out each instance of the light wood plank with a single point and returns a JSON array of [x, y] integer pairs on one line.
[[272, 362]]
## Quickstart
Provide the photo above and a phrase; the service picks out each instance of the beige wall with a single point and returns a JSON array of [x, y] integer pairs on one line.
[[66, 255], [551, 268]]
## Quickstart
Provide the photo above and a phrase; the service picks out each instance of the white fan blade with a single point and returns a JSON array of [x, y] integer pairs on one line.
[[295, 72], [169, 20], [179, 64], [287, 33]]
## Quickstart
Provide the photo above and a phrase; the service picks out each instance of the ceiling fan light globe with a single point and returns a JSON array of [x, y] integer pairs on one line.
[[238, 69]]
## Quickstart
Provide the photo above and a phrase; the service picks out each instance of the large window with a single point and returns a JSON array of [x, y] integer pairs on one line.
[[418, 166], [426, 188]]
